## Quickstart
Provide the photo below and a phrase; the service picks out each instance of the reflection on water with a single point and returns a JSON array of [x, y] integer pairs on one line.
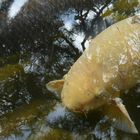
[[12, 88], [15, 7], [41, 43], [43, 119], [25, 120]]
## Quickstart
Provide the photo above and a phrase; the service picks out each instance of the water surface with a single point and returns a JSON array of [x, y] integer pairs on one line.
[[40, 44]]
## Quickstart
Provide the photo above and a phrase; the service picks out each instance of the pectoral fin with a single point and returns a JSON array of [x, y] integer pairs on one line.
[[119, 116], [55, 86]]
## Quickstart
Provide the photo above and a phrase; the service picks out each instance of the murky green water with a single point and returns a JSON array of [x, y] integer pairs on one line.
[[27, 109]]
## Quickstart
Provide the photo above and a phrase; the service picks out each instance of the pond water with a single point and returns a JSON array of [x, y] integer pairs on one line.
[[40, 43]]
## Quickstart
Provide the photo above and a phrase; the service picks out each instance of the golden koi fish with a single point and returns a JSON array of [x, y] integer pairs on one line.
[[105, 70]]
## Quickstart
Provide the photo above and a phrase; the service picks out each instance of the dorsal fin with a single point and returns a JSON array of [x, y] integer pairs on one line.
[[119, 116]]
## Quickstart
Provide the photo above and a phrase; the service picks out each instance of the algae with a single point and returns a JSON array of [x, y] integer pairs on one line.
[[12, 59], [12, 71]]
